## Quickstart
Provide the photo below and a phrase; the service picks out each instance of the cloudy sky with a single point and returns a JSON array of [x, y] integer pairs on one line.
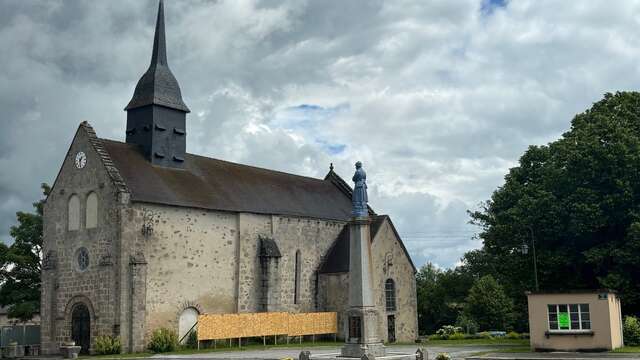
[[437, 98]]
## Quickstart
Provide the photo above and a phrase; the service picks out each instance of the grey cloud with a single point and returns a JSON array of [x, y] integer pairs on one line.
[[442, 99]]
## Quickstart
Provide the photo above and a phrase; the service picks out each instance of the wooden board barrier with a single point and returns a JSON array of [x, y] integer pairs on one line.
[[231, 326]]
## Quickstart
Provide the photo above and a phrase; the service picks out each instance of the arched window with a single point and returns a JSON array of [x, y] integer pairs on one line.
[[296, 285], [390, 294], [91, 219], [188, 318], [74, 212]]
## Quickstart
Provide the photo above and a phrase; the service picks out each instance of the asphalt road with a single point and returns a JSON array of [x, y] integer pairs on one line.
[[456, 352]]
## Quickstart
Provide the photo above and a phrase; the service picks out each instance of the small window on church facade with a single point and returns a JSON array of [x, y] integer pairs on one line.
[[82, 259], [296, 286], [390, 294], [74, 212], [92, 211]]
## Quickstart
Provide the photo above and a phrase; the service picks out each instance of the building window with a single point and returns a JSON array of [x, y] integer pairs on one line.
[[571, 317], [296, 284], [91, 219], [355, 327], [390, 294], [74, 212], [82, 259]]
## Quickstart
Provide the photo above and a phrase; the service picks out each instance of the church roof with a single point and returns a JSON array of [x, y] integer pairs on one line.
[[337, 258], [221, 185], [158, 86]]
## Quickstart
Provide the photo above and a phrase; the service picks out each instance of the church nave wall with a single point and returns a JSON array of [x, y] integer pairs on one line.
[[191, 261], [312, 237]]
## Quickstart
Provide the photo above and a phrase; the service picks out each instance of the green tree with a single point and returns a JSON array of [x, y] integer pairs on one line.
[[488, 306], [441, 295], [580, 197], [20, 264]]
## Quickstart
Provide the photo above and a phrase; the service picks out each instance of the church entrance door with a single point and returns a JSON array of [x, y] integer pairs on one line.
[[391, 328], [81, 327]]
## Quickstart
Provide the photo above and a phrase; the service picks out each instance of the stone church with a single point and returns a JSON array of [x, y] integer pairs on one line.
[[140, 234]]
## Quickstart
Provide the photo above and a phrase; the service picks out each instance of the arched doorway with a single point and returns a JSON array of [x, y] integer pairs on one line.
[[188, 318], [81, 327]]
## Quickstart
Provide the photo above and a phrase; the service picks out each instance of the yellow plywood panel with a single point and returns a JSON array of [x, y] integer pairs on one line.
[[326, 323], [226, 326], [275, 323]]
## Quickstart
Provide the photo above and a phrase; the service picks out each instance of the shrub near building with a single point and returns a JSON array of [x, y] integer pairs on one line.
[[163, 340], [631, 331]]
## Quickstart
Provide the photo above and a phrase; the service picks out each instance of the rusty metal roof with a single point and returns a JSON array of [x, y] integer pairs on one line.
[[220, 185]]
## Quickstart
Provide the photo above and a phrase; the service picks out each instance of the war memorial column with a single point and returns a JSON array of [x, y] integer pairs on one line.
[[362, 317]]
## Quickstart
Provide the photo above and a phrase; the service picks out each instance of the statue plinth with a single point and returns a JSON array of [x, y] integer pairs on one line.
[[362, 316]]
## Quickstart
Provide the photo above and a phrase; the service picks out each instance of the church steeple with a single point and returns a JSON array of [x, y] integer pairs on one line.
[[156, 113], [158, 85]]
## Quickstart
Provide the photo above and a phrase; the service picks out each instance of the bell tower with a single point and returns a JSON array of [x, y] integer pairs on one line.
[[156, 114]]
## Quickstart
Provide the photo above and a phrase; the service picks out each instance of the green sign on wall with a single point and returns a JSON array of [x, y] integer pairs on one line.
[[563, 320]]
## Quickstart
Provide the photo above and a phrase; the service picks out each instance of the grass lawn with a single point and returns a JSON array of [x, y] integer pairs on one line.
[[511, 345], [628, 349], [220, 347], [462, 342]]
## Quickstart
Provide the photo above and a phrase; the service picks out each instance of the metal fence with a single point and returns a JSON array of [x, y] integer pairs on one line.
[[22, 334]]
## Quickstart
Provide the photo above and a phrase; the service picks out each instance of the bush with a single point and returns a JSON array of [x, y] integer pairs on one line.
[[631, 331], [163, 340], [108, 345], [448, 330], [484, 335], [443, 356], [513, 335], [457, 336]]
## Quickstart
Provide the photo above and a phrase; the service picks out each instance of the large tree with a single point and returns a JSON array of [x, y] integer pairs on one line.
[[579, 199], [20, 264], [488, 305], [441, 295]]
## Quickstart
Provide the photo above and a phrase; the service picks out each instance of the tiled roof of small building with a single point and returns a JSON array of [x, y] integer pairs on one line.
[[221, 185]]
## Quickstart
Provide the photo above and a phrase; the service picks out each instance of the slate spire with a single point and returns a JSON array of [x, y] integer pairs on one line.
[[158, 86], [159, 55], [156, 115]]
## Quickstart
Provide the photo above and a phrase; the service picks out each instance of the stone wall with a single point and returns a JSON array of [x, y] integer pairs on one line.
[[310, 236], [63, 283], [190, 257], [386, 245], [333, 288], [193, 258]]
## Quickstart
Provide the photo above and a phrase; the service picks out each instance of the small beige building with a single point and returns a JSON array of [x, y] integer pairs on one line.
[[588, 320]]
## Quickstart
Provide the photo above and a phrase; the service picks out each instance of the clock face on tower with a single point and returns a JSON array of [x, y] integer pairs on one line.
[[81, 160]]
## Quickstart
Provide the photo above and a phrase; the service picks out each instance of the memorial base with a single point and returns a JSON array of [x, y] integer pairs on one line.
[[376, 350]]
